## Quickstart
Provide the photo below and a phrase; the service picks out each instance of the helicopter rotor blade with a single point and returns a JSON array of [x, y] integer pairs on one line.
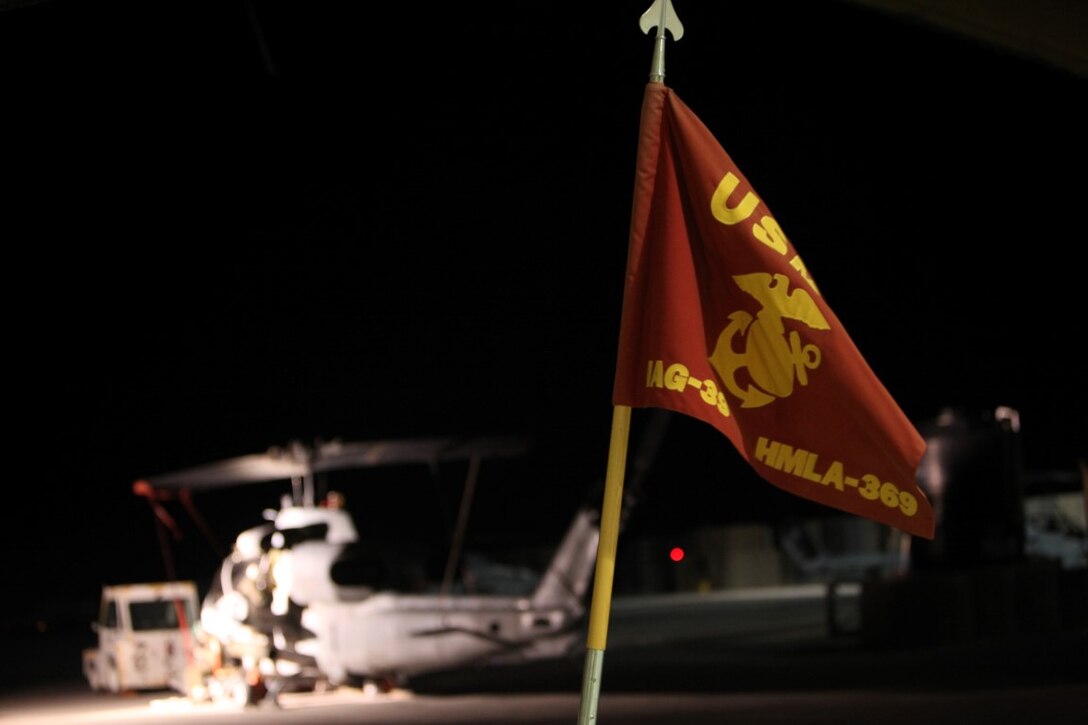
[[297, 461], [271, 466]]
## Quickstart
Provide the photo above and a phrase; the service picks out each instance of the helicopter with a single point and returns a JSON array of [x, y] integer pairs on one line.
[[302, 601]]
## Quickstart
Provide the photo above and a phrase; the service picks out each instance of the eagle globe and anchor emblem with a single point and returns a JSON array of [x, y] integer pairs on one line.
[[772, 358]]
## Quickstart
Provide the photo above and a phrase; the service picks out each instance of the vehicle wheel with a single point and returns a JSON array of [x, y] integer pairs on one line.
[[111, 680], [246, 691], [90, 671], [238, 691]]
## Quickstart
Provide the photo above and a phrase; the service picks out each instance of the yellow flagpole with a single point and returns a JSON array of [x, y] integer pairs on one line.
[[661, 16], [606, 563]]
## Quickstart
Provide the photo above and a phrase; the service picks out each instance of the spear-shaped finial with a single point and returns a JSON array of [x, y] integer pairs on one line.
[[663, 17]]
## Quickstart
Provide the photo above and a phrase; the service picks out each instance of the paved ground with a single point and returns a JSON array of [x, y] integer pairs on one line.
[[1058, 705], [704, 661]]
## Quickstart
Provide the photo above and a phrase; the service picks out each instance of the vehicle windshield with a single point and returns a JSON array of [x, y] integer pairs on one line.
[[161, 614]]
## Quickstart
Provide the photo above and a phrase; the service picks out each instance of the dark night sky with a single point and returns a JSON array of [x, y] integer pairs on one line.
[[228, 231]]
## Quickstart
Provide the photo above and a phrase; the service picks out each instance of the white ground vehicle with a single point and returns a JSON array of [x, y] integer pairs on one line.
[[146, 638]]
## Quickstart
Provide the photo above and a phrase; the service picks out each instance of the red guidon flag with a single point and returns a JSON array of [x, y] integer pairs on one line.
[[722, 322]]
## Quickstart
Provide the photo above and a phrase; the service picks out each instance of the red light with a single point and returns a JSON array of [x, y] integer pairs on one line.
[[676, 554]]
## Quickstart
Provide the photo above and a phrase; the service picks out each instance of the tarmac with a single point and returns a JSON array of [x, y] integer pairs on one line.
[[677, 659]]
